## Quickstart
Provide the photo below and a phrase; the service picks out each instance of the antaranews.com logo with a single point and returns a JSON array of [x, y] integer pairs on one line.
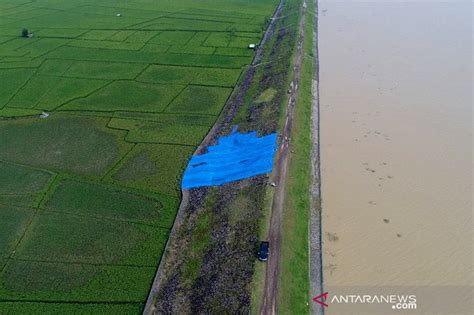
[[395, 301]]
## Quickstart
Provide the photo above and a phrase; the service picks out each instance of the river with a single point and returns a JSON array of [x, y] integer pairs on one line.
[[396, 152]]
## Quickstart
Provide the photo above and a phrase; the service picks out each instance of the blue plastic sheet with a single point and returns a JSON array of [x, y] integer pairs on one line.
[[234, 157]]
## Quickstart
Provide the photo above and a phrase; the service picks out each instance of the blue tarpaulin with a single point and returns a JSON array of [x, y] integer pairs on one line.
[[234, 157]]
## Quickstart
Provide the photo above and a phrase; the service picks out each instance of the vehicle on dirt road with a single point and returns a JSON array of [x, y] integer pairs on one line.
[[263, 251]]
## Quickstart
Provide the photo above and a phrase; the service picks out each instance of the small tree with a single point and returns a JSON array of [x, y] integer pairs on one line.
[[24, 32]]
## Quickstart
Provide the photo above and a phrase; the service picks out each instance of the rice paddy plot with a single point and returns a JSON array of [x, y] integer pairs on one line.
[[154, 48], [18, 112], [23, 200], [216, 77], [127, 95], [77, 145], [218, 40], [155, 132], [148, 55], [200, 99], [98, 35], [64, 237], [75, 19], [19, 180], [55, 281], [190, 75], [12, 80], [154, 167], [106, 44], [100, 201], [198, 39], [41, 47], [169, 38], [104, 70], [192, 50], [167, 23], [124, 12], [54, 67], [243, 42], [9, 48], [121, 36], [141, 36], [60, 32], [198, 120], [13, 223], [48, 92], [168, 74], [69, 308], [232, 51], [28, 13], [89, 192]]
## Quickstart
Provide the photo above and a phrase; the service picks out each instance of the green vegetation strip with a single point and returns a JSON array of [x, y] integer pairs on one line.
[[294, 274]]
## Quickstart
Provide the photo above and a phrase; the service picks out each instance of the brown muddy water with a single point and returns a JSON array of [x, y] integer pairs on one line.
[[396, 151]]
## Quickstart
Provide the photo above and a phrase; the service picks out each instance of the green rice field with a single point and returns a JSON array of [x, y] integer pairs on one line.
[[88, 195]]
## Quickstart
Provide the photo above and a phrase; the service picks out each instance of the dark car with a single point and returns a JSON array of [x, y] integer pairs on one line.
[[263, 251]]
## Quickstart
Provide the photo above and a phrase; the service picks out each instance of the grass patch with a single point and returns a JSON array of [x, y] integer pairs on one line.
[[199, 242], [266, 96]]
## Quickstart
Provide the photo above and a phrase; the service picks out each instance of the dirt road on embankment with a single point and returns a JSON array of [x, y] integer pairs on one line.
[[272, 273]]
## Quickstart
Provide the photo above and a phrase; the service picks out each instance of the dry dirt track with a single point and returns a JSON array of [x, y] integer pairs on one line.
[[272, 273]]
